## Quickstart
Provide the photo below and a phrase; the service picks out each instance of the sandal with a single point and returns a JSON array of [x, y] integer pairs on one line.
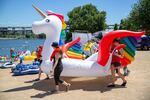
[[111, 85], [36, 79], [46, 78], [124, 84], [68, 87]]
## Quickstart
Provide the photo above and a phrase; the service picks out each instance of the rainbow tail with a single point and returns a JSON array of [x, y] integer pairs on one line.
[[129, 51]]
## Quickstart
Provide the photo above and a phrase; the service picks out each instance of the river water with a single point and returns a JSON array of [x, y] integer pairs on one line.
[[19, 45]]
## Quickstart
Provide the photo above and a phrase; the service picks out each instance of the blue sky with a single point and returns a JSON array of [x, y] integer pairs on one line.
[[21, 12]]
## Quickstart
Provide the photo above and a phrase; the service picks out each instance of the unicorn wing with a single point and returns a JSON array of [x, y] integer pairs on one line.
[[129, 50], [73, 50]]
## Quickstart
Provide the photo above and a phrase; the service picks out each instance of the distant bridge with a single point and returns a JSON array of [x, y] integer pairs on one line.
[[26, 30], [22, 30]]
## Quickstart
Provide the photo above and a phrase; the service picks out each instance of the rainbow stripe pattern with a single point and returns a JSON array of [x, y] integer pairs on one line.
[[75, 51], [129, 50]]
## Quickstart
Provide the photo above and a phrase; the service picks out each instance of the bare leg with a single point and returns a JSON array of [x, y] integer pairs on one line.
[[126, 71], [121, 75], [47, 77], [39, 75], [113, 74], [113, 77], [57, 87]]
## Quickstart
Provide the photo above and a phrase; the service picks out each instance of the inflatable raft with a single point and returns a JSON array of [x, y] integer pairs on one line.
[[24, 69]]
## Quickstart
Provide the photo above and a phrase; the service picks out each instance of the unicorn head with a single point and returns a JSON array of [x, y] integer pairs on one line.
[[51, 25]]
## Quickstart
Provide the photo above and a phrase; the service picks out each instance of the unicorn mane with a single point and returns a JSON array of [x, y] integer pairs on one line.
[[63, 33], [61, 17]]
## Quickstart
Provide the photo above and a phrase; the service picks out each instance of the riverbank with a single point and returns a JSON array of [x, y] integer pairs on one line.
[[23, 88], [7, 38], [1, 38]]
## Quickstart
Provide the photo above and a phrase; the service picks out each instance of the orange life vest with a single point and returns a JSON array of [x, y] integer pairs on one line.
[[54, 52]]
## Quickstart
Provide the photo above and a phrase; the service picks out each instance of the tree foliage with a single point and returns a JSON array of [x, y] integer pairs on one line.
[[68, 37], [139, 17], [116, 27], [41, 36], [87, 17]]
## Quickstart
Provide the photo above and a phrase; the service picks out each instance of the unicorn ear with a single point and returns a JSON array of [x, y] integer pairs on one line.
[[49, 12], [61, 17]]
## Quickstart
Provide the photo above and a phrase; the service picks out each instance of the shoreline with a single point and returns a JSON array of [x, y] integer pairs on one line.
[[7, 38], [18, 38]]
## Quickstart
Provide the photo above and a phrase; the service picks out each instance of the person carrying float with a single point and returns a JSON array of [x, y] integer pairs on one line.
[[116, 63]]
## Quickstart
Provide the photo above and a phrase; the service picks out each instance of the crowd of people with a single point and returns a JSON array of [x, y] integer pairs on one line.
[[13, 56]]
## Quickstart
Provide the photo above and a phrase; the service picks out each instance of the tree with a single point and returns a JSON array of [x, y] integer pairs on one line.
[[42, 36], [116, 27], [121, 24], [88, 18], [68, 37], [139, 17], [28, 36]]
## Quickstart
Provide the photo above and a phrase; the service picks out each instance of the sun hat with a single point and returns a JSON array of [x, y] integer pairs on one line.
[[54, 44]]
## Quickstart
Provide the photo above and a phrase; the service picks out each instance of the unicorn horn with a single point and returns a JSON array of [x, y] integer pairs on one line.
[[39, 11]]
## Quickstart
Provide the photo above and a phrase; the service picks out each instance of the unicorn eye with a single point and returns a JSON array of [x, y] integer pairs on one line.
[[47, 20]]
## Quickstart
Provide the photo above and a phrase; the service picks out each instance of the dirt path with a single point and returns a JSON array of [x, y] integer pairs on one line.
[[23, 88]]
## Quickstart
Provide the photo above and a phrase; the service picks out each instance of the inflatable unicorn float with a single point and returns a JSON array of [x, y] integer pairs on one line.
[[96, 65]]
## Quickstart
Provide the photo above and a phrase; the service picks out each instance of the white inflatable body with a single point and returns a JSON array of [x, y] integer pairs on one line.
[[78, 68], [51, 26], [84, 68], [71, 67]]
